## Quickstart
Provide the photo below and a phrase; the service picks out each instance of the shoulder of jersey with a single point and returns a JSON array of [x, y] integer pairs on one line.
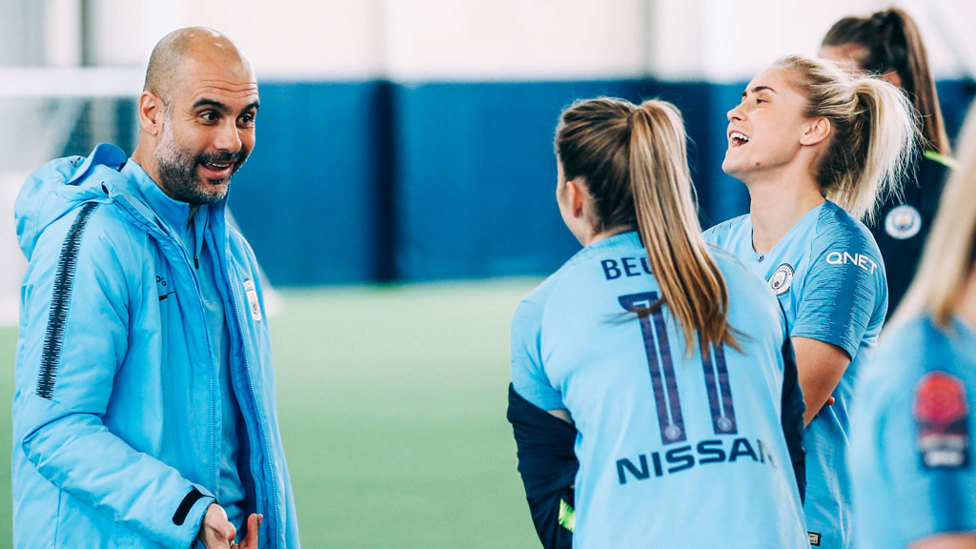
[[540, 295], [906, 349], [717, 233], [836, 226], [919, 365]]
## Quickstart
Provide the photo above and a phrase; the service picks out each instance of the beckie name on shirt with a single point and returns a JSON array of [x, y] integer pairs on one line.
[[625, 267]]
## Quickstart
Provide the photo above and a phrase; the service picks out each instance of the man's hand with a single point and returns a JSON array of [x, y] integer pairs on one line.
[[217, 532], [251, 541]]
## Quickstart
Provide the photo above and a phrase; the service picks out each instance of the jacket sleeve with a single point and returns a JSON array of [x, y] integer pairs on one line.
[[74, 338], [548, 466], [791, 411]]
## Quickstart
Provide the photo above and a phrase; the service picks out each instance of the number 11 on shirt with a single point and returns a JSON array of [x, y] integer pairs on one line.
[[663, 380]]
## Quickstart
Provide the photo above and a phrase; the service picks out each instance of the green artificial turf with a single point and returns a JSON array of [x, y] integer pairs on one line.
[[392, 409]]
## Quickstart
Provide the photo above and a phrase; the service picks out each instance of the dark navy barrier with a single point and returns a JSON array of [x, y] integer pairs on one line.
[[307, 199], [476, 176], [374, 181]]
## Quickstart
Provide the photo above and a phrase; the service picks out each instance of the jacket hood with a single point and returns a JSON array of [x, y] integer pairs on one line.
[[59, 186]]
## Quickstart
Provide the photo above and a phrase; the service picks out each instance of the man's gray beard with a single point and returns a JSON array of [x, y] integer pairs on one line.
[[177, 173]]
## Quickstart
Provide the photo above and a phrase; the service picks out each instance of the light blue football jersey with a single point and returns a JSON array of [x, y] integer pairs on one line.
[[829, 277], [674, 450], [912, 454]]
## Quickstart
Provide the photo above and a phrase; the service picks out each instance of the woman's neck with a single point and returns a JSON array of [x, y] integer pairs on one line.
[[593, 237], [777, 205]]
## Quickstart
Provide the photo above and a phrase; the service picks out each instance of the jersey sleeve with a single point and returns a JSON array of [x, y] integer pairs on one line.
[[927, 455], [546, 460], [843, 289], [529, 378]]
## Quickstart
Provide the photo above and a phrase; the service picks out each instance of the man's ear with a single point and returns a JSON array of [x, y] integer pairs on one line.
[[816, 131], [151, 112]]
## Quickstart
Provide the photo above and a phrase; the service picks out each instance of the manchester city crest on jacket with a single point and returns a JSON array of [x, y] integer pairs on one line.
[[903, 222]]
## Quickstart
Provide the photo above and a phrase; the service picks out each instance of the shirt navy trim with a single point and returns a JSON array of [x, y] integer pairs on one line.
[[58, 317]]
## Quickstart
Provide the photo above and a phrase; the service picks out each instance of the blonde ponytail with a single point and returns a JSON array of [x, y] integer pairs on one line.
[[634, 163], [874, 134], [667, 220]]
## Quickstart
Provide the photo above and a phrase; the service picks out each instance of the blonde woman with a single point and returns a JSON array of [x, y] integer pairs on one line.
[[912, 459], [815, 148], [633, 398]]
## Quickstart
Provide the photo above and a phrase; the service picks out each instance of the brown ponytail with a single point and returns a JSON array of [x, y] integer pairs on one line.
[[634, 164], [894, 44]]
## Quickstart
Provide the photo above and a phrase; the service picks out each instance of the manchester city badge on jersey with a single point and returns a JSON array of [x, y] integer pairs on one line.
[[903, 222], [941, 417], [782, 279]]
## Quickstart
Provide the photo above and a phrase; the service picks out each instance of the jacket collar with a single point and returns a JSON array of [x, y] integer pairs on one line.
[[172, 213]]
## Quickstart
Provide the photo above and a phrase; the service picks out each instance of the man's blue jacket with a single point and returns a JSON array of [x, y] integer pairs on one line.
[[116, 433]]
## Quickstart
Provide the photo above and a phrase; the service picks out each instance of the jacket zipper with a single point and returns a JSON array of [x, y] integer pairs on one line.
[[170, 241], [269, 457], [214, 457], [213, 413]]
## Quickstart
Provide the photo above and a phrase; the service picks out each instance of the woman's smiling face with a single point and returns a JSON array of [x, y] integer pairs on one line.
[[765, 128]]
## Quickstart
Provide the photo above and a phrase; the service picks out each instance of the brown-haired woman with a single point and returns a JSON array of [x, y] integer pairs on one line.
[[815, 148], [888, 44], [633, 398]]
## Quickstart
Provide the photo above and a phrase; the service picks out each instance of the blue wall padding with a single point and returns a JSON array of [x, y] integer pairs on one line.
[[307, 198], [475, 170], [355, 182], [954, 98], [476, 176]]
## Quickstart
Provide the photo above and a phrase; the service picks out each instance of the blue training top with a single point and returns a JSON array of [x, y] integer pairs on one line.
[[829, 277], [912, 457], [674, 450]]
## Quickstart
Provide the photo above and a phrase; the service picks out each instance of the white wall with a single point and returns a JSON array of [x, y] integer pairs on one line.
[[282, 38], [478, 39], [728, 40], [515, 39]]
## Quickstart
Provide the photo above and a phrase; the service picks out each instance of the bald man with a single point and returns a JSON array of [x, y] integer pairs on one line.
[[144, 414]]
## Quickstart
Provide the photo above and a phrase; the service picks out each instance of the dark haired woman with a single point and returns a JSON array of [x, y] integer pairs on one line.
[[887, 44]]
